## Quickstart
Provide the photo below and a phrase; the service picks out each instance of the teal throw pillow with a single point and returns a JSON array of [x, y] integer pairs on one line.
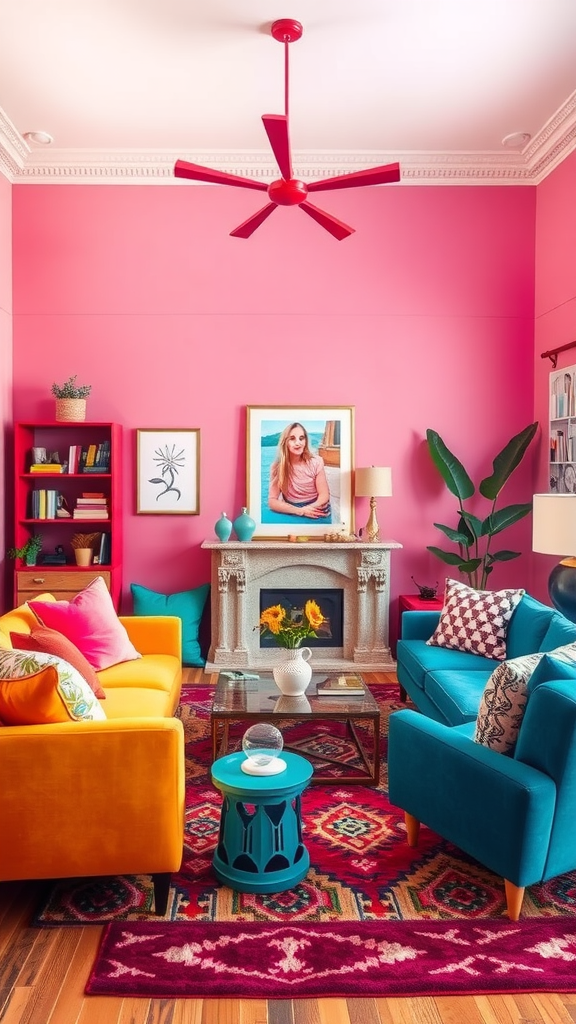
[[188, 606]]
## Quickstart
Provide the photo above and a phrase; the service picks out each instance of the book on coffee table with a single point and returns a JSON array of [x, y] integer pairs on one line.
[[344, 685]]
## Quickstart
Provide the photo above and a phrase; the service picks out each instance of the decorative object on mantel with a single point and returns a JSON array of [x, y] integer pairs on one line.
[[299, 461], [244, 526], [293, 674], [223, 528], [472, 561], [288, 191], [29, 551], [71, 400], [373, 482]]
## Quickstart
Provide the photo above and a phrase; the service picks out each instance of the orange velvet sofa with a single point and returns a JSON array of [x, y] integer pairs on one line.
[[99, 798]]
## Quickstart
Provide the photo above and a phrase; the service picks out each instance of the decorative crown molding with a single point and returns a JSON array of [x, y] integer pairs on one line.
[[552, 144]]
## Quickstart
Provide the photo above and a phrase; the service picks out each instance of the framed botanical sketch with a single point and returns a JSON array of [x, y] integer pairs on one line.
[[168, 472], [299, 467]]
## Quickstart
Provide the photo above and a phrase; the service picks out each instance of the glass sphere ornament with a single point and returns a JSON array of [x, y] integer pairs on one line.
[[262, 743]]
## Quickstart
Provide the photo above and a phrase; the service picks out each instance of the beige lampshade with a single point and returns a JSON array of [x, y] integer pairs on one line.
[[554, 524], [373, 482]]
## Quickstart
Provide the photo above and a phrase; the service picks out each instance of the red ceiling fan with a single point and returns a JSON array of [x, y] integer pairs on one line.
[[287, 190]]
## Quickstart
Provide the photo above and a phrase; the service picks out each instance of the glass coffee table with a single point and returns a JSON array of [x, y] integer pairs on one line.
[[248, 700]]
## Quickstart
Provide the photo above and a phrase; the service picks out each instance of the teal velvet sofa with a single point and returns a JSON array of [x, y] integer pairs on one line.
[[515, 814], [447, 685]]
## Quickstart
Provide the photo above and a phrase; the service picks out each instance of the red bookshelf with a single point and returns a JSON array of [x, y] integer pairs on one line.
[[64, 581]]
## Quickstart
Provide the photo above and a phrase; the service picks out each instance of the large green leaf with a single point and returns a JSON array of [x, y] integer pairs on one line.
[[475, 525], [505, 517], [450, 557], [506, 462], [451, 470], [471, 565], [454, 535], [502, 556]]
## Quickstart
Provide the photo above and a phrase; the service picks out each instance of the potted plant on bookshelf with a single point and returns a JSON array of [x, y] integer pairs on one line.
[[29, 551], [83, 545], [71, 399]]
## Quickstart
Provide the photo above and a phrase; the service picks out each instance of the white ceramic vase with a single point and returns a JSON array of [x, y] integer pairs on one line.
[[294, 672]]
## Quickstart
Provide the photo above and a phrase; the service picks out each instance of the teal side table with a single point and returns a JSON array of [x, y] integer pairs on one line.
[[260, 847]]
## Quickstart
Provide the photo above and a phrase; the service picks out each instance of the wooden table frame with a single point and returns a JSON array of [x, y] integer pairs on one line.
[[347, 711]]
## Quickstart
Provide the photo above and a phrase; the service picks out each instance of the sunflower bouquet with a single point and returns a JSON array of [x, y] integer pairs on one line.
[[288, 629]]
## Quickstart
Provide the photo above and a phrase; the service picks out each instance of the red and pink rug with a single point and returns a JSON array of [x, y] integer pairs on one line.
[[362, 868], [370, 958]]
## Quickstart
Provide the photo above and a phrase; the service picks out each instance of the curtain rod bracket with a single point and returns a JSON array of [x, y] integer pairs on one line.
[[552, 353]]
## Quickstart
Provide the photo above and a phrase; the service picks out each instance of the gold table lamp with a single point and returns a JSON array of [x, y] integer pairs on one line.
[[373, 482]]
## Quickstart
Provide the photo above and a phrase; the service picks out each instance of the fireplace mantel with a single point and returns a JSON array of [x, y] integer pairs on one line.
[[241, 570]]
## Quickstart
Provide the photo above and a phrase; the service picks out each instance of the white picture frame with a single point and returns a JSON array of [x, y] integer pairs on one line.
[[168, 471]]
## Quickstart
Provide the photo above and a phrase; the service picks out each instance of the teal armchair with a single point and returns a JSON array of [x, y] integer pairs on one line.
[[515, 814]]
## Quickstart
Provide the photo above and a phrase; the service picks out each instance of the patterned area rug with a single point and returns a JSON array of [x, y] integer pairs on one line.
[[402, 958], [362, 868]]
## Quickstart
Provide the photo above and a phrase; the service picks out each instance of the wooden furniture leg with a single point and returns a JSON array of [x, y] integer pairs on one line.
[[161, 883], [514, 897], [412, 828]]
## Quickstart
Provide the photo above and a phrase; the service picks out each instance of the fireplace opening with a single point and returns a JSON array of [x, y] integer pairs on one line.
[[329, 600]]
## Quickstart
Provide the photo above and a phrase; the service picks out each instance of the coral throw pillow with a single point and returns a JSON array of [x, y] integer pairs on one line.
[[475, 621], [49, 641], [89, 620], [39, 689]]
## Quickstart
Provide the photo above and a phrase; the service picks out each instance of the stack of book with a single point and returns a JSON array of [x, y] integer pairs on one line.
[[46, 467], [349, 685], [91, 505]]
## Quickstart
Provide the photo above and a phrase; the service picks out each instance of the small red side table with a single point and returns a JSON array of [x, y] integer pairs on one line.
[[415, 603]]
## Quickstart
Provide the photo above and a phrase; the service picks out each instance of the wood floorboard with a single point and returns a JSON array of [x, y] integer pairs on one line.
[[43, 973]]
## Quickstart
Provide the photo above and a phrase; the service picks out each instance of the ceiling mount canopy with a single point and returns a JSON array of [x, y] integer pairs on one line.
[[287, 190]]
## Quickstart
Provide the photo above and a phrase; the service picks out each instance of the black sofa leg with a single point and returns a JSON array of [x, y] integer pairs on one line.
[[161, 892]]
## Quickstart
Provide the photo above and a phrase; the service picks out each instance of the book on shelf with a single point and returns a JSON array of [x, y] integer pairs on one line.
[[345, 685], [46, 467], [44, 504], [104, 549]]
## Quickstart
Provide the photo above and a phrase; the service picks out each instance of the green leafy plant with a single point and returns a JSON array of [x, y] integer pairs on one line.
[[30, 549], [69, 389], [474, 535]]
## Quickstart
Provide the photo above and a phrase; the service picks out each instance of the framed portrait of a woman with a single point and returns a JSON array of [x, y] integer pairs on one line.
[[299, 466]]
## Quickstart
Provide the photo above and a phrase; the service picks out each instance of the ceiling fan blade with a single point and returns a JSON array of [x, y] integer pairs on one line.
[[371, 176], [336, 227], [182, 169], [249, 226], [276, 126]]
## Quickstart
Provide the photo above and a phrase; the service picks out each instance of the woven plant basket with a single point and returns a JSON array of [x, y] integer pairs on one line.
[[70, 409]]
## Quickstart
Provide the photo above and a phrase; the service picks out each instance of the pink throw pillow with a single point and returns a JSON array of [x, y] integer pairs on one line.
[[48, 641], [89, 620]]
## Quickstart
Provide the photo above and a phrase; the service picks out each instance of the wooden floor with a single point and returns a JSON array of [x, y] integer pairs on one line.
[[43, 972]]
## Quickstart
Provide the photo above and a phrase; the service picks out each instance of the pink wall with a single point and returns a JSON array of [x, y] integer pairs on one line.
[[555, 307], [5, 370], [423, 318]]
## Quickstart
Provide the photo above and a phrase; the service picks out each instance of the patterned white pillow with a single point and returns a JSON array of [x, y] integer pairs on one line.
[[505, 696], [76, 695], [475, 621]]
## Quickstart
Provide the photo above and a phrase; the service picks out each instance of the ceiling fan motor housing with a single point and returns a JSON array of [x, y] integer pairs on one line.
[[287, 193]]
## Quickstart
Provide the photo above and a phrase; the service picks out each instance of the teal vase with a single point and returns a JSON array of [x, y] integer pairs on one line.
[[223, 528], [244, 526]]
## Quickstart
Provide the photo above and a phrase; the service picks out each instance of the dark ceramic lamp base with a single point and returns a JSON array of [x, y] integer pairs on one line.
[[562, 588]]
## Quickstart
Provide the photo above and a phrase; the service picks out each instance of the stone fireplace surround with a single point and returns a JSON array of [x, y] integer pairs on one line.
[[240, 570]]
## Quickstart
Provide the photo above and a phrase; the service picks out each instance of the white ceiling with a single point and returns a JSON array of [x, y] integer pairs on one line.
[[125, 87]]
